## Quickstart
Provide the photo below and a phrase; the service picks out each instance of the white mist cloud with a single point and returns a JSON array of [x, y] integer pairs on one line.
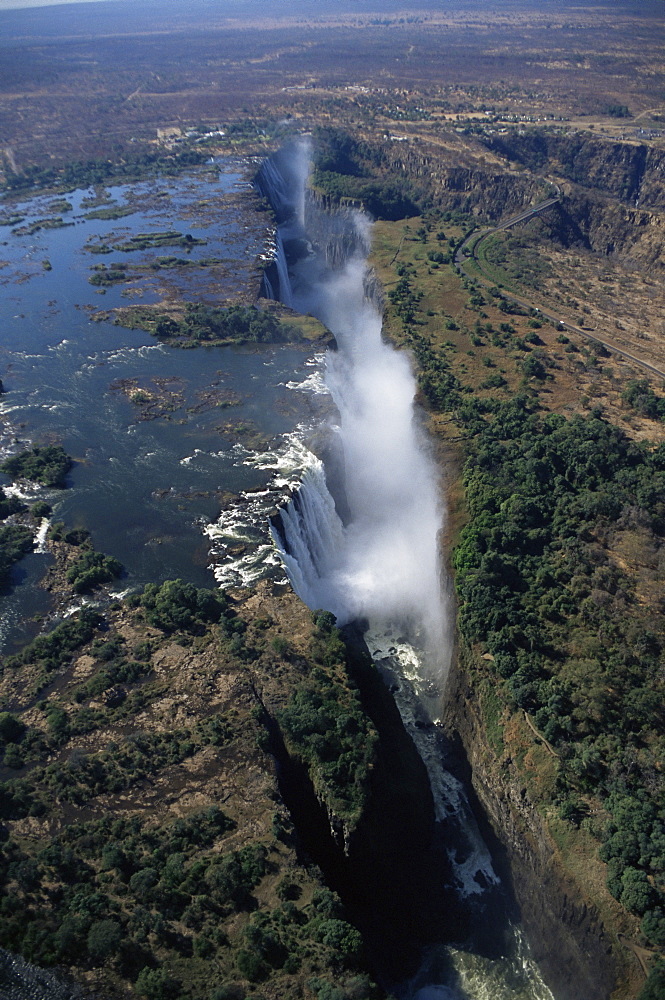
[[384, 563]]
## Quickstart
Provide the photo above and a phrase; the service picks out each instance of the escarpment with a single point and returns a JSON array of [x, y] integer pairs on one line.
[[367, 822], [633, 172], [611, 193], [608, 227], [464, 178], [577, 955]]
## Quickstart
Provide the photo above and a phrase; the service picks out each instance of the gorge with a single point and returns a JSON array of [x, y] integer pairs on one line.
[[361, 538]]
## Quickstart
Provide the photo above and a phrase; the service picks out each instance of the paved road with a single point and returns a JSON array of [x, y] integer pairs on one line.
[[478, 236]]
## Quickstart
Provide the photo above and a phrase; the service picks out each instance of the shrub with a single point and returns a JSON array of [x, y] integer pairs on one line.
[[41, 509], [252, 966], [176, 606], [11, 728], [9, 505], [157, 984], [654, 988], [104, 939], [653, 926], [91, 569], [344, 939], [15, 541]]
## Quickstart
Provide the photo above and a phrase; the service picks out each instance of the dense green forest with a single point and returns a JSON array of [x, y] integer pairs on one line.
[[168, 904], [87, 173], [573, 641], [348, 169]]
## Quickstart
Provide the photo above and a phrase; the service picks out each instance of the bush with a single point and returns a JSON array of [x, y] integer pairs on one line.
[[57, 646], [654, 988], [11, 728], [91, 569], [15, 542], [252, 966], [104, 939], [41, 509], [653, 926], [156, 984], [344, 939], [9, 505], [176, 606], [637, 894]]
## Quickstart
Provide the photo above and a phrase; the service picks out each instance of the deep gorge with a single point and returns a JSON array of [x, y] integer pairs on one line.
[[310, 531]]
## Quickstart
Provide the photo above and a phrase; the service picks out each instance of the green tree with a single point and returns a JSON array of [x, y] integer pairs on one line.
[[104, 939], [11, 728], [156, 984]]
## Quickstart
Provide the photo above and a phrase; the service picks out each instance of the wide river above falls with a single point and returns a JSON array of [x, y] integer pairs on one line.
[[171, 488]]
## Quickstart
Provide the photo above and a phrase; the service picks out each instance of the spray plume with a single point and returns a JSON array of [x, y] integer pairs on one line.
[[382, 563]]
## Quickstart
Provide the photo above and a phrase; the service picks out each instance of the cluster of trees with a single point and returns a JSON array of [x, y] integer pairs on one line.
[[175, 606], [45, 464], [56, 648], [512, 254], [570, 642], [9, 505], [103, 276], [235, 324], [326, 728], [118, 769], [16, 540], [639, 395], [91, 569], [142, 895], [120, 882]]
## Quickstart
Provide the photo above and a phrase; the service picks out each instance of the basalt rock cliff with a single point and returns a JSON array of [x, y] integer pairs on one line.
[[578, 956]]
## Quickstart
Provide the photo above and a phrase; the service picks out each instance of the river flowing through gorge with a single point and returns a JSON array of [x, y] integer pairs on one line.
[[360, 537]]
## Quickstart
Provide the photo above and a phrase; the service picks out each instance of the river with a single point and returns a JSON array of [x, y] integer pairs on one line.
[[186, 493]]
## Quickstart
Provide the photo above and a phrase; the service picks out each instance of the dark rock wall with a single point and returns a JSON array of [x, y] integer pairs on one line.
[[565, 934]]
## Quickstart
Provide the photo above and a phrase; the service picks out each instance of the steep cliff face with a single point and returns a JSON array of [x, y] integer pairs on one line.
[[613, 195], [462, 177], [384, 858], [577, 956], [633, 172], [608, 227]]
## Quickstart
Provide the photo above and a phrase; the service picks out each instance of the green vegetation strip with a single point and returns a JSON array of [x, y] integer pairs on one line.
[[48, 465], [212, 324], [571, 642]]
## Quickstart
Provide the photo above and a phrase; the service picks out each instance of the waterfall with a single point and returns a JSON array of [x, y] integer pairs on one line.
[[285, 293], [380, 560], [360, 537]]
